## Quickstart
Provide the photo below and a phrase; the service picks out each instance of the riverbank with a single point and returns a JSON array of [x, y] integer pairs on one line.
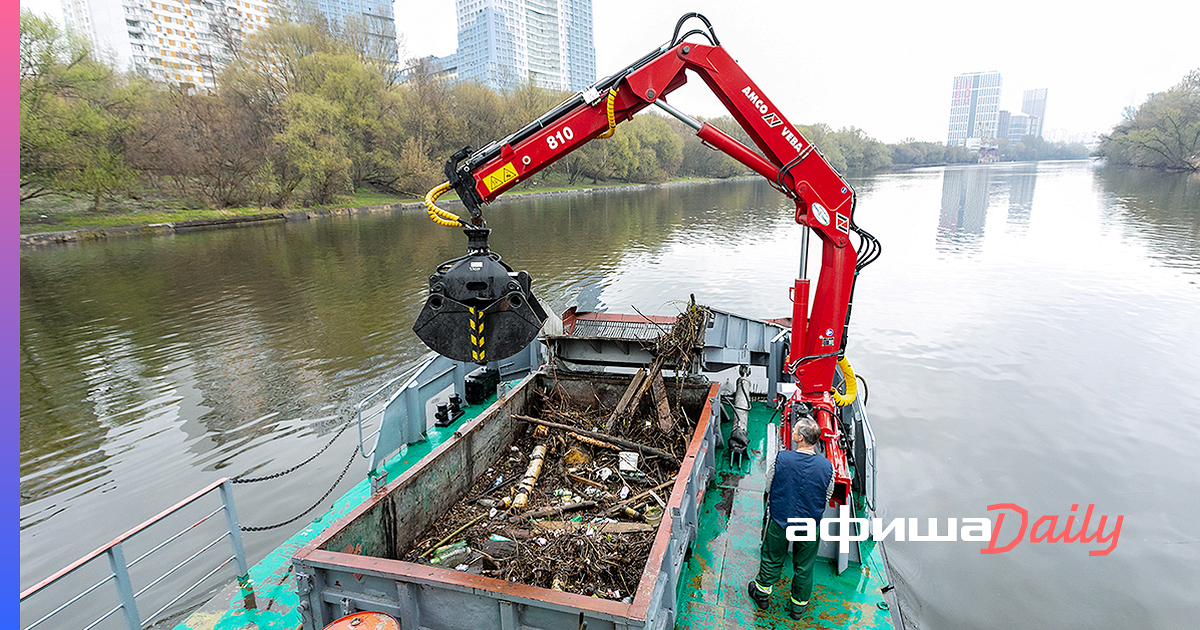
[[151, 226]]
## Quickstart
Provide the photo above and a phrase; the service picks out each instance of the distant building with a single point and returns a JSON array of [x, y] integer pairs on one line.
[[1033, 103], [1019, 126], [445, 67], [187, 42], [1002, 123], [182, 42], [502, 43], [974, 109], [375, 17]]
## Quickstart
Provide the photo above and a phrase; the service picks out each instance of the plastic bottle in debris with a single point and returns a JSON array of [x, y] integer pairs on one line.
[[452, 555]]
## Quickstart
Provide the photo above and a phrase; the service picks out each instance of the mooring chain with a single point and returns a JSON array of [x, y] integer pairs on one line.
[[314, 506], [297, 466]]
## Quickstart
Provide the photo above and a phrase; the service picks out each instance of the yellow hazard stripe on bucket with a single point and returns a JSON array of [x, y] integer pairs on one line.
[[476, 322]]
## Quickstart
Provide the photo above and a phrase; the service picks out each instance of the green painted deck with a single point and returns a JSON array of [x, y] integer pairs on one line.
[[712, 590], [725, 558]]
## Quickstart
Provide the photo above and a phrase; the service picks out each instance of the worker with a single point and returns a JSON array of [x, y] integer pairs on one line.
[[801, 482]]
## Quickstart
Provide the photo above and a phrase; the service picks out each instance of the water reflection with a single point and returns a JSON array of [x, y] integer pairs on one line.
[[1021, 181], [1161, 209], [968, 192], [964, 206]]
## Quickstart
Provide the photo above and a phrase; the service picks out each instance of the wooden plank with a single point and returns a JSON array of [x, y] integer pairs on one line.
[[584, 480], [555, 511], [634, 385], [655, 369], [661, 406]]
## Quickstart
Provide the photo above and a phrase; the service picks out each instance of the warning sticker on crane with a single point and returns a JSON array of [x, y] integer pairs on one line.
[[843, 223], [500, 177]]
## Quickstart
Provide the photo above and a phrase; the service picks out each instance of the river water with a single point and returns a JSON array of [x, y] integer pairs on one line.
[[1029, 337]]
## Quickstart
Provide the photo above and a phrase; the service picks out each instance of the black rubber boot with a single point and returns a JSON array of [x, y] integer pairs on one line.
[[796, 610], [761, 598]]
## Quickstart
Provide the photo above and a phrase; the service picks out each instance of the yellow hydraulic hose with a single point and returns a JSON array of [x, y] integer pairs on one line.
[[612, 117], [439, 216], [851, 384]]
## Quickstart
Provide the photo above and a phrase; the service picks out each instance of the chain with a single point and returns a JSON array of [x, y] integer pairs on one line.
[[297, 466], [314, 506]]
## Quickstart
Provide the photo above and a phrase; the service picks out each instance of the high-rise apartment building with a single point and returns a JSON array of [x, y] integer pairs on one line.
[[176, 41], [1014, 127], [502, 43], [974, 109], [1034, 104], [188, 41], [374, 18], [1019, 126]]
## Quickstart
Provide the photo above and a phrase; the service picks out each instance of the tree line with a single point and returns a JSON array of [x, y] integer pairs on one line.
[[1162, 133], [306, 113]]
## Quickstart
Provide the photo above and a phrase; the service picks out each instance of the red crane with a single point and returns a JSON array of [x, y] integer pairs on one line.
[[479, 309]]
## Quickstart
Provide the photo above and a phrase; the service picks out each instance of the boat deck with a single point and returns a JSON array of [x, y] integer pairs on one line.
[[725, 558], [712, 590]]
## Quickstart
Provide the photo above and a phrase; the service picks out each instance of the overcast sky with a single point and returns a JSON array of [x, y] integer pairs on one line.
[[887, 67]]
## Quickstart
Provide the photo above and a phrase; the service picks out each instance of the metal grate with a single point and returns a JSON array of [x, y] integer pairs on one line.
[[626, 331]]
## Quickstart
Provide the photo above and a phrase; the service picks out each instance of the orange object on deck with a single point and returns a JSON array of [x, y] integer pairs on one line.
[[365, 621]]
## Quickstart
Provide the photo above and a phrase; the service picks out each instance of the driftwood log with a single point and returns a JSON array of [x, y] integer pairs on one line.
[[556, 510], [633, 446]]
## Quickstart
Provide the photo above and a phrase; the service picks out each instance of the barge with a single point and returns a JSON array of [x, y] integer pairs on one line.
[[705, 548]]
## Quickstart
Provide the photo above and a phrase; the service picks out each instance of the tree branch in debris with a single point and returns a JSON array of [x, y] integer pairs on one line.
[[633, 446]]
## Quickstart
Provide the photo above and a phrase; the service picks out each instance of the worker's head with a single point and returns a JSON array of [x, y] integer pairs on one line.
[[805, 432]]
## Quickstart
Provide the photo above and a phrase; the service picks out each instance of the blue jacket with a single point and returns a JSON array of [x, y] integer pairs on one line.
[[800, 486]]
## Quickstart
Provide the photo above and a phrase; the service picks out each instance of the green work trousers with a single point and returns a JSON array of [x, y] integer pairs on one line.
[[774, 552]]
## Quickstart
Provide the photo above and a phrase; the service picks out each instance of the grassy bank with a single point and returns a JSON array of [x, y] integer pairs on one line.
[[55, 213]]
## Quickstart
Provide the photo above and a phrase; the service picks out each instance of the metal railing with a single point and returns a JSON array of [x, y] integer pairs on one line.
[[401, 402], [119, 569], [386, 390], [403, 412]]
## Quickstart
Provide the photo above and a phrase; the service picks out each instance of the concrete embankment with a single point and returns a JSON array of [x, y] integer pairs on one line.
[[49, 239], [162, 229]]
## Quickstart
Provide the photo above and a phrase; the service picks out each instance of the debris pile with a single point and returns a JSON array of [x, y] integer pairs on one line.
[[575, 504]]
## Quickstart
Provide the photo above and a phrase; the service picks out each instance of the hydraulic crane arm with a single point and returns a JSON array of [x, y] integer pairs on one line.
[[824, 200]]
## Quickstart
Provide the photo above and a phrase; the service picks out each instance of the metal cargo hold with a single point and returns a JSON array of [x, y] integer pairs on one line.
[[354, 566]]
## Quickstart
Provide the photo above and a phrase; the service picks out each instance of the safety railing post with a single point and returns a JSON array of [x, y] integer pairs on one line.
[[460, 379], [235, 540], [414, 407], [235, 530], [116, 561]]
